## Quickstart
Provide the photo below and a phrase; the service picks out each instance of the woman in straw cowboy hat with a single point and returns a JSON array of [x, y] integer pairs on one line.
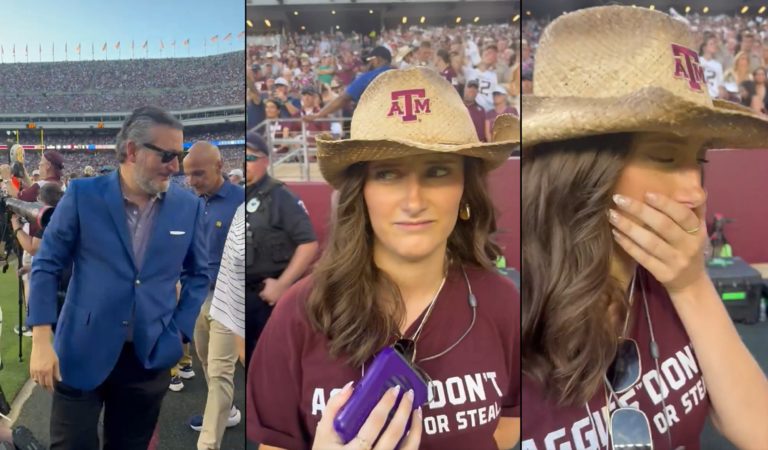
[[410, 259], [618, 312]]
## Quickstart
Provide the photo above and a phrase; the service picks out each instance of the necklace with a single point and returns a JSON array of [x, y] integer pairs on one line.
[[428, 312]]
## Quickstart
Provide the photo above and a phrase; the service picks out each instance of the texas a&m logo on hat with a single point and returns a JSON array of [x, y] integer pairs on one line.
[[687, 66], [414, 102]]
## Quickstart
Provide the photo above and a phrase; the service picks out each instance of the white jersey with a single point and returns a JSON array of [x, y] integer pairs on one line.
[[713, 73], [486, 81]]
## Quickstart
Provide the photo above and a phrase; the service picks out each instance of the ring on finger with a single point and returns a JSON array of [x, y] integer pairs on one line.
[[363, 444]]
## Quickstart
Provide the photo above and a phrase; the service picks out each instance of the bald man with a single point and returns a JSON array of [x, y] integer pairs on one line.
[[215, 344]]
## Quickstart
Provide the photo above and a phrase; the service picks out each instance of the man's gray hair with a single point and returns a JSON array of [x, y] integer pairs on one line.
[[137, 127]]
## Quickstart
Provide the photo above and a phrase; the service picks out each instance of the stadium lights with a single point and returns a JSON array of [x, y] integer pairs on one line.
[[295, 13], [761, 10], [333, 11], [527, 13], [337, 27], [404, 20], [652, 7], [516, 18], [267, 23], [422, 19], [476, 19], [303, 28], [249, 23], [744, 9], [705, 10], [687, 9], [458, 20], [370, 11]]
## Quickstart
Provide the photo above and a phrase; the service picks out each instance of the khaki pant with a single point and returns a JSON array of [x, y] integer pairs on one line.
[[217, 350], [186, 360]]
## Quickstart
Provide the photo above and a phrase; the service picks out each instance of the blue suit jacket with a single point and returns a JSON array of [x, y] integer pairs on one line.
[[89, 229]]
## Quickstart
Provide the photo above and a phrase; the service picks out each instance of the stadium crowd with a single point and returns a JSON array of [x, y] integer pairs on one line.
[[112, 86], [190, 135], [733, 52], [91, 163], [307, 71]]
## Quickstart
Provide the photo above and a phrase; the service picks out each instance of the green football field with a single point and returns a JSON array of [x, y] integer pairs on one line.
[[14, 373]]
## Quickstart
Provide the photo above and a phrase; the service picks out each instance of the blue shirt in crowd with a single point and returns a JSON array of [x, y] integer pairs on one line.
[[357, 87]]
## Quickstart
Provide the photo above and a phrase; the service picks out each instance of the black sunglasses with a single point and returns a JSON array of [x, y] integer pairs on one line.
[[629, 427], [252, 158], [166, 156]]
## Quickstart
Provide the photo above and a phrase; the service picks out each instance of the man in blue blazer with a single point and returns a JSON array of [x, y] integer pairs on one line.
[[129, 236]]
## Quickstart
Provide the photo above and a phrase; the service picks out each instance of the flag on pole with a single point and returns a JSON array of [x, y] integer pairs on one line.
[[215, 38], [173, 43], [241, 35], [144, 45], [26, 50], [227, 37], [65, 51], [117, 46], [77, 49], [186, 42], [104, 47], [162, 46], [40, 51]]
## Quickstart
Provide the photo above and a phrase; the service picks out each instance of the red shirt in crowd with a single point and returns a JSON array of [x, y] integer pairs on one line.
[[477, 113], [292, 374], [550, 426]]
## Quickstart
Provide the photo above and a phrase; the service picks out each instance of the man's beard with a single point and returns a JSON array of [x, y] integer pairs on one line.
[[148, 185]]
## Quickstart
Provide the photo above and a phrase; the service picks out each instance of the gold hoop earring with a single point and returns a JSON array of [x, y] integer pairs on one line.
[[465, 213]]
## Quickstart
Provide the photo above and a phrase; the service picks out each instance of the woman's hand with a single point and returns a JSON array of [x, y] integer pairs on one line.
[[326, 437], [666, 237]]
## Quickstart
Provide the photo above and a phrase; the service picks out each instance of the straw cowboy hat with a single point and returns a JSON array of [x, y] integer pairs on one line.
[[594, 77], [402, 52], [506, 127], [403, 113]]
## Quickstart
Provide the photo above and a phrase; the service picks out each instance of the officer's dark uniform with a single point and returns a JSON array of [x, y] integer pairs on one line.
[[276, 223]]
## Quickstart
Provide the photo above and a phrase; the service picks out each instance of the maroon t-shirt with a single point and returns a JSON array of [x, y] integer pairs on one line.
[[292, 374], [548, 426], [477, 113]]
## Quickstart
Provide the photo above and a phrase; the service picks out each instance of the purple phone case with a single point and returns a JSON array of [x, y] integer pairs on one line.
[[388, 369]]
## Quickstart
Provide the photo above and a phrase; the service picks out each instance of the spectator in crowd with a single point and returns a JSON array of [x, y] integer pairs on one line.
[[475, 111], [500, 106], [443, 65], [740, 71], [35, 176], [748, 95], [404, 57], [486, 74], [235, 177], [379, 61], [326, 69], [746, 46], [713, 70], [758, 76]]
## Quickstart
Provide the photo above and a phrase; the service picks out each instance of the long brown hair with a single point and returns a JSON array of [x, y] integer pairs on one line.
[[356, 305], [569, 338]]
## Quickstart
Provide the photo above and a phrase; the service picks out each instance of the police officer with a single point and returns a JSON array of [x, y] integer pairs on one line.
[[280, 241]]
